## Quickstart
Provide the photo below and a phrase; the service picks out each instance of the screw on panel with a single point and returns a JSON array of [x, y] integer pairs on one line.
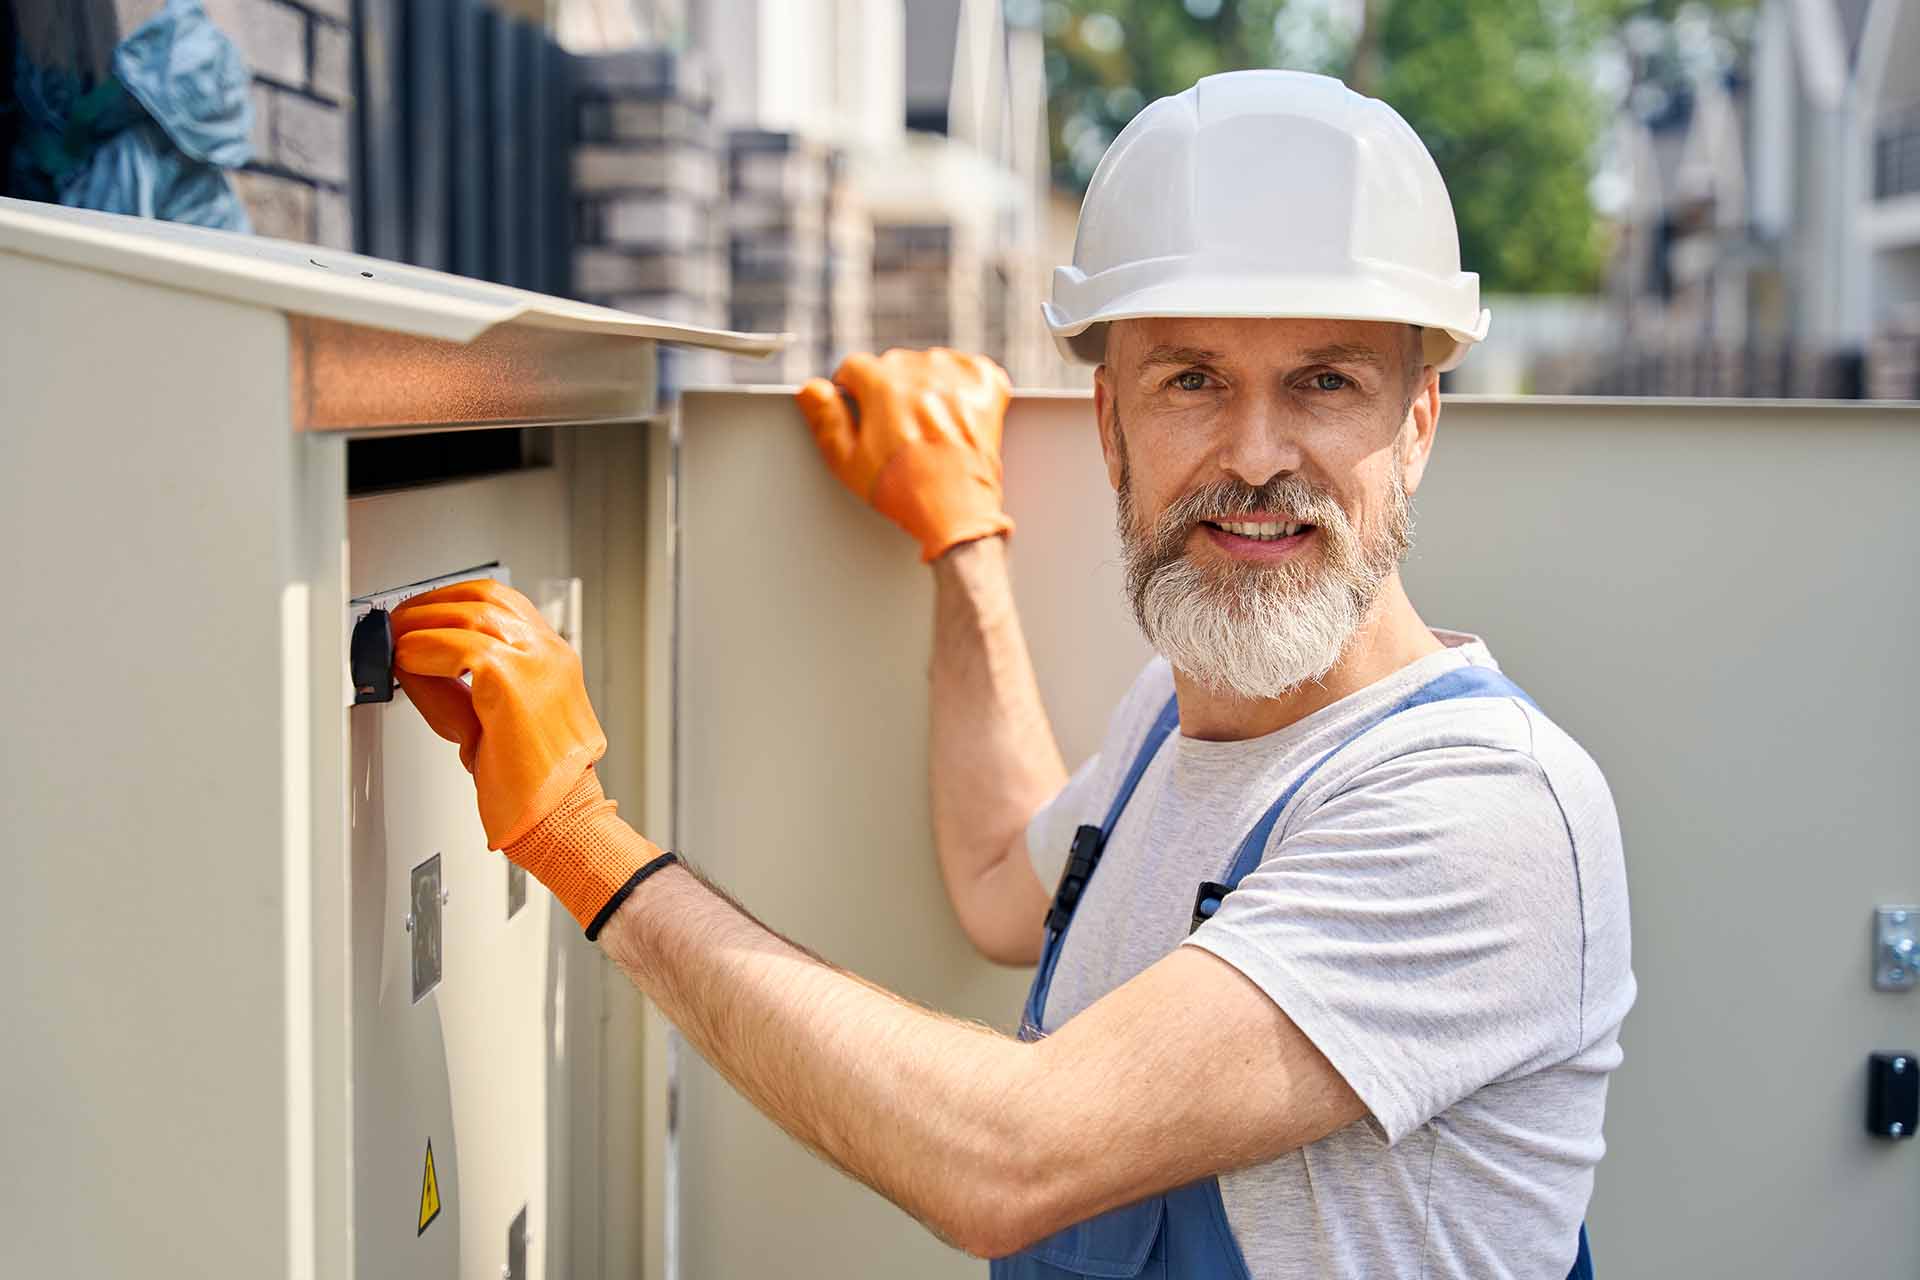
[[1899, 917], [1896, 1128], [409, 922], [446, 896], [1899, 1065]]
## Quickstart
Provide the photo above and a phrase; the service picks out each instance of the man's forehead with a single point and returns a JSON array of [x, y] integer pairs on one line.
[[1186, 340]]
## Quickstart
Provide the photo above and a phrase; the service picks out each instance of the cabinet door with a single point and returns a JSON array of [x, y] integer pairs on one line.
[[802, 645], [467, 1053]]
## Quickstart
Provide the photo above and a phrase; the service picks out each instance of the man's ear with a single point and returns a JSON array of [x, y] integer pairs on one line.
[[1415, 442], [1107, 417]]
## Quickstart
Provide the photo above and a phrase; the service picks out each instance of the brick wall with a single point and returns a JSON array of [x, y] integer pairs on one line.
[[777, 248], [849, 320], [648, 186], [301, 53], [929, 284]]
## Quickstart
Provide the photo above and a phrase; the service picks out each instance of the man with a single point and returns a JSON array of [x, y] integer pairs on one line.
[[1332, 981]]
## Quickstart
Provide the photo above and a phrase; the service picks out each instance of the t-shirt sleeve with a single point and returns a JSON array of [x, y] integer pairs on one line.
[[1421, 927], [1050, 831]]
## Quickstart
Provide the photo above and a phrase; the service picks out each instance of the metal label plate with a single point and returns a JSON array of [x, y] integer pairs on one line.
[[1896, 947], [423, 926]]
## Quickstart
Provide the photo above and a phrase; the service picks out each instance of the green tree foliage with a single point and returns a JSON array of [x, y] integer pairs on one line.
[[1501, 93], [1500, 90]]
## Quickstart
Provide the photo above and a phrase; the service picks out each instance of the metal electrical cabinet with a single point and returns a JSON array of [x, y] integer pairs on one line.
[[257, 956], [271, 1006]]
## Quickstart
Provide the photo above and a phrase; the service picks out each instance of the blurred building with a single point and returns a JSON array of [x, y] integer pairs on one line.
[[1888, 87], [857, 173], [1538, 343], [883, 175], [888, 173], [1766, 245]]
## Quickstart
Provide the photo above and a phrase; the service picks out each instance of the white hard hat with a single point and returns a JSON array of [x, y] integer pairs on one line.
[[1267, 193]]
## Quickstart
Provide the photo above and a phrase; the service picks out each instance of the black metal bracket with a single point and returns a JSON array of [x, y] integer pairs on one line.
[[1088, 844]]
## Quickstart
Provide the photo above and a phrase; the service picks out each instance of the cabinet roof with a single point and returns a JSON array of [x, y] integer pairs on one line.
[[301, 279]]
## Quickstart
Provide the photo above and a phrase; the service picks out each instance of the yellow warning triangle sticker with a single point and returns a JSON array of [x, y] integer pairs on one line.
[[429, 1193]]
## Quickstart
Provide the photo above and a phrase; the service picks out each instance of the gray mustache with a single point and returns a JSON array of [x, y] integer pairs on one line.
[[1295, 497]]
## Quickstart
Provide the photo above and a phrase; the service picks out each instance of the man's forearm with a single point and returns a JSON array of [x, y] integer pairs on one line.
[[922, 1108], [994, 760], [990, 1142]]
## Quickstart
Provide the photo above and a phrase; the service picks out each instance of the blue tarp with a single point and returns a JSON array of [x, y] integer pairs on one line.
[[153, 139]]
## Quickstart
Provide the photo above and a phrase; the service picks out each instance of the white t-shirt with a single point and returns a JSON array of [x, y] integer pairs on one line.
[[1442, 910]]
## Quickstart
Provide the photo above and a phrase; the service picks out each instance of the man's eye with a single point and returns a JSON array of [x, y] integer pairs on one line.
[[1191, 380], [1330, 381]]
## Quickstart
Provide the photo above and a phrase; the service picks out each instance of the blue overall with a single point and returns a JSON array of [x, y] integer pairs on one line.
[[1183, 1234]]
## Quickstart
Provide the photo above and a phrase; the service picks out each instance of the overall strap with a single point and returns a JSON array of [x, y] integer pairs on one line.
[[1088, 844], [1464, 682]]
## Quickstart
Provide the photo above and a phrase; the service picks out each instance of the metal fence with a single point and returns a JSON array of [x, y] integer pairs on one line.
[[1765, 372], [1896, 153], [462, 142]]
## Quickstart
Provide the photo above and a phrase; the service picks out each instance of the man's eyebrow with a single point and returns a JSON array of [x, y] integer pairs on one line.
[[1167, 355], [1344, 353]]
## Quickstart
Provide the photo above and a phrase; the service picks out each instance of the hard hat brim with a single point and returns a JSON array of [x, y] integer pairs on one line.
[[1290, 297]]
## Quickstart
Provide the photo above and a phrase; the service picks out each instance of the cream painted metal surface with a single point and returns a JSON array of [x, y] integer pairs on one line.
[[804, 626], [218, 1062], [160, 794], [1068, 578], [300, 279], [1714, 597], [470, 1065]]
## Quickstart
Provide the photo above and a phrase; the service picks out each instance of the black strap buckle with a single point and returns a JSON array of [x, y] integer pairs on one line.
[[1088, 843], [1207, 901]]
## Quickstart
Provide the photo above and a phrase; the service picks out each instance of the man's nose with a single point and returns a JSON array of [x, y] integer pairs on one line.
[[1260, 441]]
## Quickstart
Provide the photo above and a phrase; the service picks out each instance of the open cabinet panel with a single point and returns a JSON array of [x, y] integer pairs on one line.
[[801, 779], [1069, 581], [804, 628]]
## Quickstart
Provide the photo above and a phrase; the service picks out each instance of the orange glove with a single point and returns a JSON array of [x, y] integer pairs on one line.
[[527, 734], [925, 449]]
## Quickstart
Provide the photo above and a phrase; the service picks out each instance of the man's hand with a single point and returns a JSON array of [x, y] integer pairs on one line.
[[527, 734], [924, 448]]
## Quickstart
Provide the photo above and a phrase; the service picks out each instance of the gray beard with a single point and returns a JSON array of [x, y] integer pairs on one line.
[[1258, 631]]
